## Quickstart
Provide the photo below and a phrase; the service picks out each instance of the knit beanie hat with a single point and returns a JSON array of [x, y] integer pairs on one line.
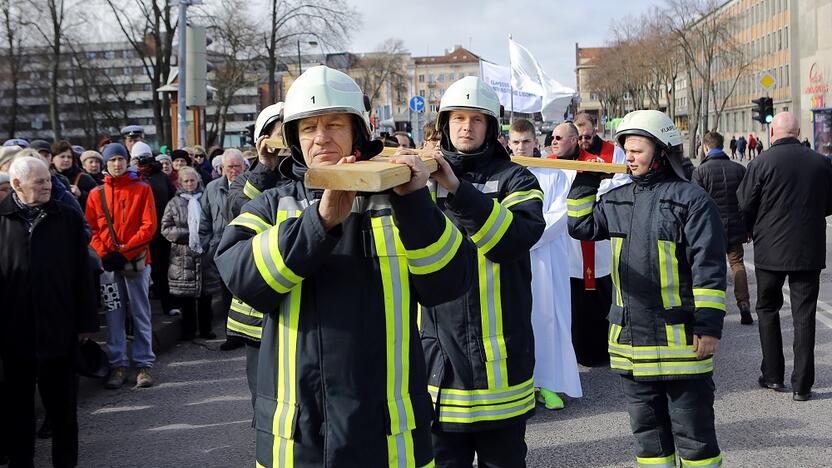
[[115, 149]]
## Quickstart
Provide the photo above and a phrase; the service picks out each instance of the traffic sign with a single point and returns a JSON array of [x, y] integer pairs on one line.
[[417, 103], [767, 80]]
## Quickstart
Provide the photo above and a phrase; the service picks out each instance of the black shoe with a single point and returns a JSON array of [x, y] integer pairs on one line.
[[777, 387], [802, 396], [745, 317], [231, 343], [45, 431], [208, 336]]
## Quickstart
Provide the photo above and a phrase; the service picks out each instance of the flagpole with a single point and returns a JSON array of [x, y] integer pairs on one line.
[[510, 87]]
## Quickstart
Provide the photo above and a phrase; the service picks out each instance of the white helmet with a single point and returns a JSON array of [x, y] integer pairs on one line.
[[323, 90], [470, 93], [266, 117], [657, 126]]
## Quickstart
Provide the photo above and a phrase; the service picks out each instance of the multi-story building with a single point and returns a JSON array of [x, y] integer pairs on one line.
[[586, 59], [433, 74], [812, 71]]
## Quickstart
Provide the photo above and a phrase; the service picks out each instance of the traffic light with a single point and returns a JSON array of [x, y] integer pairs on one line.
[[248, 135], [763, 110]]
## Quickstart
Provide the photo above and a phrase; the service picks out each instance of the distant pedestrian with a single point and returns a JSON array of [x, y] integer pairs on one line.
[[741, 145], [733, 147], [752, 146], [785, 198], [806, 143], [720, 177]]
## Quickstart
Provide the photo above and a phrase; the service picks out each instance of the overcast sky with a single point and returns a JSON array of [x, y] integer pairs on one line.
[[548, 28]]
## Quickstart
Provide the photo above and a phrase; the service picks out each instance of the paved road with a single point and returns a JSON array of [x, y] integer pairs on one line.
[[199, 414]]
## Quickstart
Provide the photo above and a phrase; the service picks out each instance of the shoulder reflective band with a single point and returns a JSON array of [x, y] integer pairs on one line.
[[251, 191], [283, 421], [713, 298], [269, 261], [615, 245], [656, 462], [491, 315], [251, 221], [578, 208], [397, 311], [669, 274], [494, 228], [435, 256], [516, 198]]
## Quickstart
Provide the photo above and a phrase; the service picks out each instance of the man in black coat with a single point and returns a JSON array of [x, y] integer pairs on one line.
[[163, 190], [48, 306], [721, 177], [785, 198]]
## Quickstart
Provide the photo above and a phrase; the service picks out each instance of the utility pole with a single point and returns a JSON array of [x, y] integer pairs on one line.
[[181, 107]]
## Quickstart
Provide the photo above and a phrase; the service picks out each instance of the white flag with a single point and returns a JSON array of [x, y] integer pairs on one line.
[[498, 77], [528, 76]]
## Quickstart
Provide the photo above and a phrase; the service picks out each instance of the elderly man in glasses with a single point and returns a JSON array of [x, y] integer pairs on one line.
[[589, 262]]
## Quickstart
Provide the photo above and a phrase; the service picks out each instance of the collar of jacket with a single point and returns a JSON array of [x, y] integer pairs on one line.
[[649, 180], [9, 206], [715, 154], [71, 172], [463, 162], [786, 141], [125, 179]]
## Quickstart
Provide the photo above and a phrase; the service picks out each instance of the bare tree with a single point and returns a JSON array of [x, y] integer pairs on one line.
[[385, 67], [236, 43], [11, 18], [151, 33], [327, 21]]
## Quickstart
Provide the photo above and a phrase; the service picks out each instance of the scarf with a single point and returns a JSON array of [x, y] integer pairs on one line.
[[28, 213], [194, 217]]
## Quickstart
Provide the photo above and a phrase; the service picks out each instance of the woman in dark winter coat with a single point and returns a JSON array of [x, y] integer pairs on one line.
[[180, 225], [80, 183]]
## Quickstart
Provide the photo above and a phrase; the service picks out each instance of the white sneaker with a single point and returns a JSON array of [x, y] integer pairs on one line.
[[174, 313]]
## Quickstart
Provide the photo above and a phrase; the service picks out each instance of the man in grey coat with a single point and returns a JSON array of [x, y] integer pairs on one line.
[[213, 221]]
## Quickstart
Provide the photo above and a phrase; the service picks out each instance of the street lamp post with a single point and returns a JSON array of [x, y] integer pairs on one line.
[[300, 66]]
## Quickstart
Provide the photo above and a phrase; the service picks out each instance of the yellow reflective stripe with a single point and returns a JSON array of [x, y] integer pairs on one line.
[[714, 462], [244, 309], [244, 329], [436, 256], [675, 335], [494, 228], [251, 221], [669, 274], [491, 316], [432, 464], [644, 369], [713, 298], [251, 191], [615, 245], [615, 332], [480, 396], [652, 352], [580, 207], [469, 415], [284, 418], [269, 261], [656, 462], [397, 315], [515, 198]]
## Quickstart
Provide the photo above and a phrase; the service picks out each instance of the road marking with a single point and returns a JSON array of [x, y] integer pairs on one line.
[[193, 382], [219, 399], [822, 310], [120, 409], [188, 427], [205, 361]]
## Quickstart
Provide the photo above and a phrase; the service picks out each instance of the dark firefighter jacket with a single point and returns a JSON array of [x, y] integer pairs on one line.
[[480, 347], [668, 270], [342, 378], [243, 320]]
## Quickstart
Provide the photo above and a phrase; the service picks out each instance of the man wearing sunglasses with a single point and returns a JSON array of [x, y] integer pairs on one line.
[[589, 262]]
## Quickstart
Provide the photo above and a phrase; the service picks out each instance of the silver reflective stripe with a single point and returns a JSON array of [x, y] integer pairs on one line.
[[473, 399], [492, 186], [584, 206], [660, 368], [650, 353], [291, 203], [431, 259], [289, 387], [269, 261], [492, 231], [395, 270], [448, 412], [709, 298], [492, 323], [677, 338], [371, 203], [671, 280]]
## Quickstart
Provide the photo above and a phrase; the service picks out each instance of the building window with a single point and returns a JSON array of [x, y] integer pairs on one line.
[[421, 78], [451, 77], [786, 37], [430, 77], [786, 77], [441, 77], [422, 92], [461, 76], [109, 55]]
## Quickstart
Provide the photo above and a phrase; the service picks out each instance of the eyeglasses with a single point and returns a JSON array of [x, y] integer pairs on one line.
[[585, 137]]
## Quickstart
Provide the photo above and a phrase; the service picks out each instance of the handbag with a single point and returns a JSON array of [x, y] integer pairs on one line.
[[133, 267]]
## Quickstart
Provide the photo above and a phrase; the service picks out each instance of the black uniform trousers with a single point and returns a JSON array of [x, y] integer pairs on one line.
[[160, 256], [671, 415], [804, 287], [589, 321], [196, 312], [58, 385], [498, 448]]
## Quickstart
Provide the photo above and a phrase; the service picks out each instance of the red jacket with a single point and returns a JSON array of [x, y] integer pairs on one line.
[[132, 209]]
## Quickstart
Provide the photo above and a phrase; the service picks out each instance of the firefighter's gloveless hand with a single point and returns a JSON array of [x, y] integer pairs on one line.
[[705, 346], [418, 172], [445, 176], [266, 156], [336, 205]]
